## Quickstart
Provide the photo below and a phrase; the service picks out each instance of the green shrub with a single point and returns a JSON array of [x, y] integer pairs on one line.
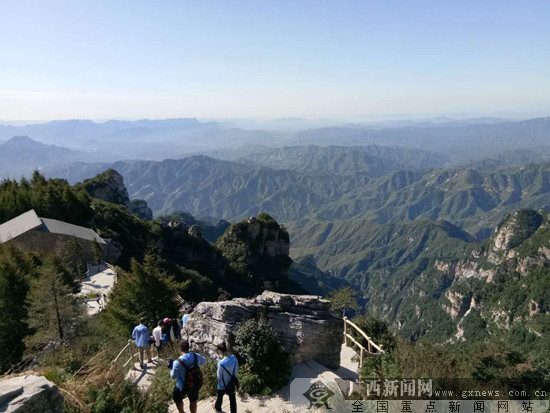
[[266, 367], [376, 329], [210, 385], [251, 383]]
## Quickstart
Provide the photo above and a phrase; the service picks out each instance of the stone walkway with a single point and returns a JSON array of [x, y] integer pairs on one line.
[[143, 377], [279, 403], [100, 280]]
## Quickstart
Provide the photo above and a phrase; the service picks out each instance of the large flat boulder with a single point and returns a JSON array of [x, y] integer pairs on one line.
[[29, 394], [306, 327]]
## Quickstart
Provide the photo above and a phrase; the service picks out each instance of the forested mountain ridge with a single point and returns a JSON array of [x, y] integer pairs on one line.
[[473, 199], [500, 288], [186, 256], [371, 160]]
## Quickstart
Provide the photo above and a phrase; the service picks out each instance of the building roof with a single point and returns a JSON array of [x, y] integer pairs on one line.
[[19, 225], [30, 221]]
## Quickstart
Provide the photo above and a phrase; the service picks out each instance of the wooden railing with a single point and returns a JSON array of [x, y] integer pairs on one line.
[[127, 349], [372, 349]]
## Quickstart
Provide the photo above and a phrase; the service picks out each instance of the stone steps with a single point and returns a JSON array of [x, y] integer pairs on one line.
[[278, 403]]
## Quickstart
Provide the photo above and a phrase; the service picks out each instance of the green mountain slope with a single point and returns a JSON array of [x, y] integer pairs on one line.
[[435, 283], [206, 187], [372, 160]]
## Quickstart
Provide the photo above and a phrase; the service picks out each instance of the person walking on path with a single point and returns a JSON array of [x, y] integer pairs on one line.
[[165, 329], [141, 339], [175, 331], [228, 383], [186, 370], [157, 335], [184, 320]]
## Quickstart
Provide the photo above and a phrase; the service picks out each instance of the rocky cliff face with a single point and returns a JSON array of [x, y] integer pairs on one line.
[[504, 283], [109, 186], [304, 324], [29, 394]]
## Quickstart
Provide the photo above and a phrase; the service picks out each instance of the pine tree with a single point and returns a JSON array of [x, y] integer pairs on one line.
[[54, 311], [146, 291], [14, 286], [343, 299]]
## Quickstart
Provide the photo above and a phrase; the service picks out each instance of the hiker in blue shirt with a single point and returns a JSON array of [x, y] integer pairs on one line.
[[228, 383], [184, 319], [141, 339], [188, 377]]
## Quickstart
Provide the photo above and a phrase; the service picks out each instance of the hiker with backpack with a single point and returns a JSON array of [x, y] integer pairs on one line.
[[228, 383], [186, 370]]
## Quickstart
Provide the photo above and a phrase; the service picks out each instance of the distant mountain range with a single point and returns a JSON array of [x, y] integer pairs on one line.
[[21, 155], [387, 210], [205, 187], [459, 142]]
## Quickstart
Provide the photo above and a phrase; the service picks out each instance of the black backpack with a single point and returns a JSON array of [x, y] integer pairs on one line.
[[193, 376], [233, 384]]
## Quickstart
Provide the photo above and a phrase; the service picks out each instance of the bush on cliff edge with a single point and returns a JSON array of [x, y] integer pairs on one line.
[[265, 366]]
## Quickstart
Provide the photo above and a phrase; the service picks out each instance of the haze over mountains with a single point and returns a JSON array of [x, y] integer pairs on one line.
[[461, 141], [369, 207]]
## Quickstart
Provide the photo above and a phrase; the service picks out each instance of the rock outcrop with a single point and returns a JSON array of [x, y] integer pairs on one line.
[[515, 229], [257, 246], [304, 324], [109, 186], [141, 209], [29, 394], [195, 231]]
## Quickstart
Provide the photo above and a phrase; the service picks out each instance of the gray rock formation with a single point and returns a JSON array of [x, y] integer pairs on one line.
[[140, 207], [195, 231], [304, 324], [108, 186], [29, 394]]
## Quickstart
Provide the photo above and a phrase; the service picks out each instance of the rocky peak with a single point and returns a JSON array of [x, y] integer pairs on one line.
[[109, 186], [257, 244]]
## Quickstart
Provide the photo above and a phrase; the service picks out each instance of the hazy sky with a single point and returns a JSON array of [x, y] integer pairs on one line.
[[272, 58]]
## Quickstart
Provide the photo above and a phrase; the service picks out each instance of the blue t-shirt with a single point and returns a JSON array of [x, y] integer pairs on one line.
[[141, 336], [232, 365]]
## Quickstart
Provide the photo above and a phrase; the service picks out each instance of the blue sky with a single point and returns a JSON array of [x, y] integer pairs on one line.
[[267, 59]]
